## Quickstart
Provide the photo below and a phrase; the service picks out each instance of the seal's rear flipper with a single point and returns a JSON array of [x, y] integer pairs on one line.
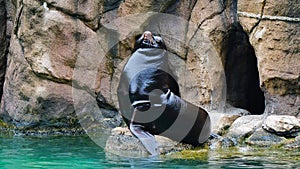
[[147, 139]]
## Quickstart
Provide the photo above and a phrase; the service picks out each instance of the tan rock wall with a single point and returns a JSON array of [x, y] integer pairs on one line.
[[273, 27], [51, 39], [44, 47]]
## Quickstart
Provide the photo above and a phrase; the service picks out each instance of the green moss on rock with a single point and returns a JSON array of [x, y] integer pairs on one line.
[[5, 125], [196, 154]]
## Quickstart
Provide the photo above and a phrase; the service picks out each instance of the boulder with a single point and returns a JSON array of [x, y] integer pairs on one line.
[[283, 125], [244, 126], [262, 138], [225, 123], [122, 142], [221, 122]]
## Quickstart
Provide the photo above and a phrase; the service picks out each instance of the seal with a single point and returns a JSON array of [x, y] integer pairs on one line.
[[150, 102]]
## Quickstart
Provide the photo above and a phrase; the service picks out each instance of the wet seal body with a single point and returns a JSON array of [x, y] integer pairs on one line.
[[150, 103]]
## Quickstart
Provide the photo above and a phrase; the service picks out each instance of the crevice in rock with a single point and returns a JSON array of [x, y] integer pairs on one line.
[[102, 103], [182, 9], [18, 20], [261, 16], [242, 76], [208, 18], [76, 85], [192, 6], [51, 77]]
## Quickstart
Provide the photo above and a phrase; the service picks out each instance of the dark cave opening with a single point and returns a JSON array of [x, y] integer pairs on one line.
[[242, 76]]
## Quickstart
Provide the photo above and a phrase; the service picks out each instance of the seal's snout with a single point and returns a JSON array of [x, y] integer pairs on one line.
[[147, 35]]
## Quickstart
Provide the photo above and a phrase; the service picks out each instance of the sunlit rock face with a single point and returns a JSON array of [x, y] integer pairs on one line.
[[249, 49]]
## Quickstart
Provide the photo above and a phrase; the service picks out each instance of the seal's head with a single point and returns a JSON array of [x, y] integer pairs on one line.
[[148, 40]]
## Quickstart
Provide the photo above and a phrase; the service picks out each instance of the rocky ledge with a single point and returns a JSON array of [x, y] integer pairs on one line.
[[274, 131], [122, 142]]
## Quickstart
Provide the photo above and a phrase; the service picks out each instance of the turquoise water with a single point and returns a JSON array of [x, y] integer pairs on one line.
[[81, 152]]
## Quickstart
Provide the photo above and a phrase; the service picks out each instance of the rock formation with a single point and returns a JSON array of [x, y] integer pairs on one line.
[[60, 58], [273, 28]]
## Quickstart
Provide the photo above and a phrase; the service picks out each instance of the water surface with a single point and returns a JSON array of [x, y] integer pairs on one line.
[[81, 152]]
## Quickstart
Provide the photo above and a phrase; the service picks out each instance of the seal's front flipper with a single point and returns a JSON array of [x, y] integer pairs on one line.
[[147, 139]]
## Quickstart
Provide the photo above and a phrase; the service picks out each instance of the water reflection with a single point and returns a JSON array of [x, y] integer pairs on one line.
[[81, 152]]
